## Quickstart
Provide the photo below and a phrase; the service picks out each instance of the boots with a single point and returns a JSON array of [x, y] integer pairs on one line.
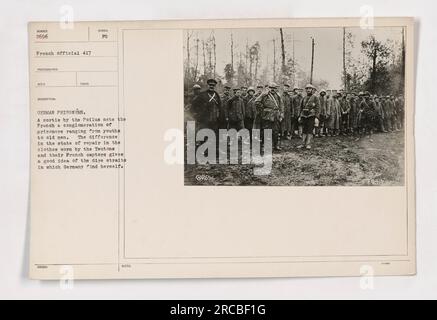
[[304, 139], [308, 141]]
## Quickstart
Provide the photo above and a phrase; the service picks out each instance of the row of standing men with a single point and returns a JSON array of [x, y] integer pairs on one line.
[[289, 113]]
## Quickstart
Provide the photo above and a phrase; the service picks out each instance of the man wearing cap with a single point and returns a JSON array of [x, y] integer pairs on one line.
[[344, 109], [272, 111], [367, 112], [259, 90], [379, 115], [258, 108], [250, 110], [286, 122], [309, 112], [296, 101], [223, 116], [333, 114], [209, 106], [354, 105], [236, 111], [244, 93], [400, 101], [396, 117], [321, 130]]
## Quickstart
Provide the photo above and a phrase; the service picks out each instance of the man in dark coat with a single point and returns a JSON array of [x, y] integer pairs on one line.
[[209, 105], [296, 102], [236, 111], [250, 110], [286, 122]]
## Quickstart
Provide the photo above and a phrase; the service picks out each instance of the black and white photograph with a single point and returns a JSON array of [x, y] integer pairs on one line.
[[295, 106]]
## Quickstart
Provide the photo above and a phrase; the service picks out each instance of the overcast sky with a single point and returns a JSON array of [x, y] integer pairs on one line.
[[328, 61]]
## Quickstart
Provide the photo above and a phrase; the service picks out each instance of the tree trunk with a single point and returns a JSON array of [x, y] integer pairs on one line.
[[197, 60], [232, 52], [274, 60], [188, 55], [284, 71], [204, 58], [344, 61], [312, 60], [215, 56]]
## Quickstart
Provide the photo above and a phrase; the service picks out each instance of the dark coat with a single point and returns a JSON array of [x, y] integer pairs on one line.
[[236, 109], [209, 104], [310, 107]]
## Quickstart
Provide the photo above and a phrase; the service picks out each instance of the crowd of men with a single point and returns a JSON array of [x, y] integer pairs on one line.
[[291, 114]]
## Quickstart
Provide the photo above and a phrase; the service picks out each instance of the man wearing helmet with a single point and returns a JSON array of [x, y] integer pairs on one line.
[[309, 112]]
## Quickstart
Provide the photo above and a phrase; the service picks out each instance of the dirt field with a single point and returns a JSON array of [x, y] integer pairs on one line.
[[333, 161]]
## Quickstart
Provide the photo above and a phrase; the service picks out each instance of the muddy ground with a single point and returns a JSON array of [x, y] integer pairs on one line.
[[333, 161]]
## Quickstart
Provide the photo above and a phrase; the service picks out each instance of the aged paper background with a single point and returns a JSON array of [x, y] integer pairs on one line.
[[142, 222]]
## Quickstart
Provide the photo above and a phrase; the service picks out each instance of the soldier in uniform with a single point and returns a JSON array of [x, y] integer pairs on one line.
[[250, 110], [379, 113], [400, 101], [397, 117], [223, 117], [259, 90], [353, 102], [345, 109], [258, 107], [209, 104], [333, 114], [244, 93], [286, 122], [296, 101], [235, 111], [367, 110], [271, 113], [322, 129], [387, 113], [309, 112]]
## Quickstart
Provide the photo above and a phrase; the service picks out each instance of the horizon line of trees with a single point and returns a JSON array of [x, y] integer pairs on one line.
[[379, 69]]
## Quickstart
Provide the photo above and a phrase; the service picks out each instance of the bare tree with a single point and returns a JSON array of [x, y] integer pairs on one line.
[[312, 59], [187, 71], [196, 68], [232, 51], [204, 57], [274, 60], [344, 61], [215, 55], [284, 67]]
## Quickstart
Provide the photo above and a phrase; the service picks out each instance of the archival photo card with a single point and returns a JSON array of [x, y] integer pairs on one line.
[[222, 148]]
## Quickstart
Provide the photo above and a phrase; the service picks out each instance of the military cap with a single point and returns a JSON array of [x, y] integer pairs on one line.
[[251, 89], [260, 86], [323, 90], [273, 85], [243, 87], [196, 86], [227, 86], [211, 81], [309, 85], [286, 85]]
